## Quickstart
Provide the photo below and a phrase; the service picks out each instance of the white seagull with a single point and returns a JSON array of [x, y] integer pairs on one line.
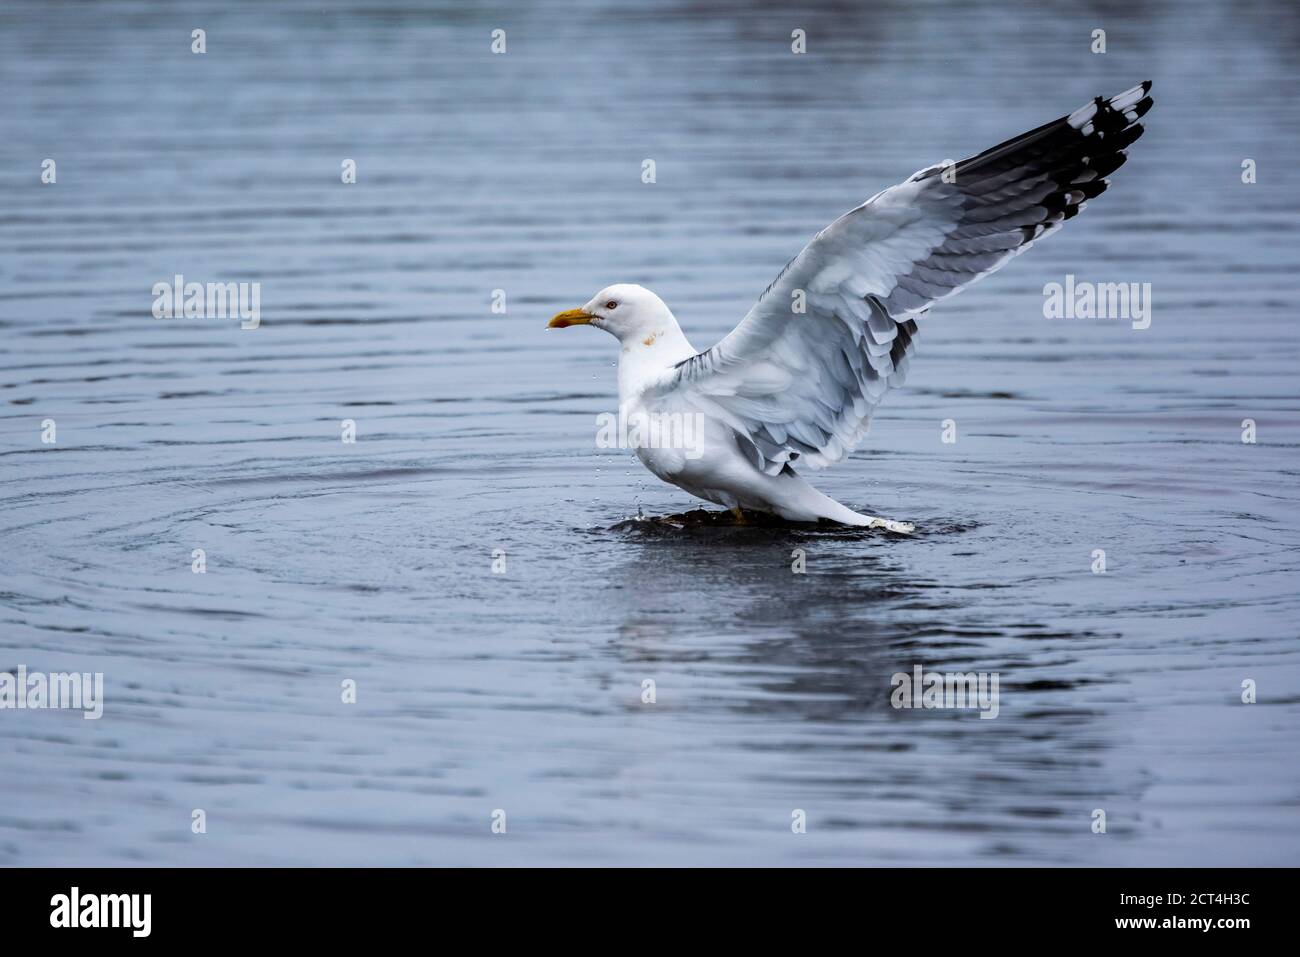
[[797, 381]]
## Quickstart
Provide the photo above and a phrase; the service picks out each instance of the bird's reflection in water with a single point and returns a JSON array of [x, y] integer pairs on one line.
[[718, 617]]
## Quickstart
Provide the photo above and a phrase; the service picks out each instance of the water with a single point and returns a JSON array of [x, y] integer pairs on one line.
[[475, 431]]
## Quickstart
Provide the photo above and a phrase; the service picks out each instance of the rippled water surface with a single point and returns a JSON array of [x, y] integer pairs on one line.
[[522, 691]]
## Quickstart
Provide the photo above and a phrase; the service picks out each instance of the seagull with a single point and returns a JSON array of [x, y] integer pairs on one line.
[[797, 381]]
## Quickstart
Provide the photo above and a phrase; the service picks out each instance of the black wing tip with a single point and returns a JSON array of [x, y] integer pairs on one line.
[[1127, 137], [1108, 163], [1144, 86], [1093, 189]]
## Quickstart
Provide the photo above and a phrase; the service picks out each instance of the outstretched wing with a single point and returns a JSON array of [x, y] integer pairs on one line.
[[802, 385]]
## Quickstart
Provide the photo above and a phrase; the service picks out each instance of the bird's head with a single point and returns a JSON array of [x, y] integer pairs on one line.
[[624, 310]]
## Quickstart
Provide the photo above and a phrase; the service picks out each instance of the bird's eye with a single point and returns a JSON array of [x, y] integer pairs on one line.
[[611, 304]]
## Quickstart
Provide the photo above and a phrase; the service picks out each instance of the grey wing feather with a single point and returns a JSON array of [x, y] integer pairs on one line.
[[802, 385]]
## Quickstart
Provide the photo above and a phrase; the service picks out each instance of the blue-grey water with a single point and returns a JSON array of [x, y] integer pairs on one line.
[[372, 562]]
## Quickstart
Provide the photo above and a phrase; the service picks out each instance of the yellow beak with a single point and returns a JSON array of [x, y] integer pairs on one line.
[[572, 317]]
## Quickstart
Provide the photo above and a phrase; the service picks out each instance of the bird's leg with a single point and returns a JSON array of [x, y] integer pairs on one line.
[[737, 511]]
